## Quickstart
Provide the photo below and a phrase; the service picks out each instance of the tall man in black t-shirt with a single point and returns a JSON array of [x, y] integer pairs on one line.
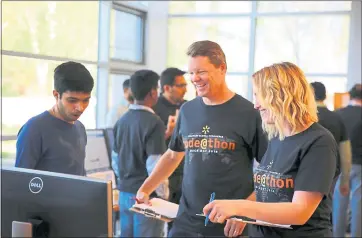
[[333, 122], [173, 89], [139, 142], [219, 133], [351, 116]]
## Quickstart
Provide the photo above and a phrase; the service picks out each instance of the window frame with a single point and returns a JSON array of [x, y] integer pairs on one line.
[[139, 12]]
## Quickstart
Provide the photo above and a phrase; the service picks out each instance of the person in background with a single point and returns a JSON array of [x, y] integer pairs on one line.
[[55, 140], [119, 109], [351, 116], [219, 133], [333, 122], [139, 142], [173, 89], [294, 180]]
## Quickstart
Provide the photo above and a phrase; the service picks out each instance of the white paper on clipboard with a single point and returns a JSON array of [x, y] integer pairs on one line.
[[160, 209], [258, 222], [263, 223]]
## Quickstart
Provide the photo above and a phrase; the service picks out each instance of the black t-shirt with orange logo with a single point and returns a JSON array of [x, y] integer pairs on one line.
[[304, 162], [220, 142]]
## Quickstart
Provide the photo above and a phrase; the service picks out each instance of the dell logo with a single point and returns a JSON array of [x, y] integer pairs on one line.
[[36, 185]]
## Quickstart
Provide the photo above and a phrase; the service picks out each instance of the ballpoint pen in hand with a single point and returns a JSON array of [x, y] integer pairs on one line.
[[212, 197]]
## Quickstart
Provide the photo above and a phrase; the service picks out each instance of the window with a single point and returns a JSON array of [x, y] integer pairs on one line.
[[127, 34], [187, 7], [8, 152], [303, 6], [31, 90], [238, 84], [115, 90], [235, 43], [55, 28], [333, 85], [312, 34], [318, 44]]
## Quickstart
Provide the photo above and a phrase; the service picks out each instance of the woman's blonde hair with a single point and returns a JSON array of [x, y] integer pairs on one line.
[[285, 92]]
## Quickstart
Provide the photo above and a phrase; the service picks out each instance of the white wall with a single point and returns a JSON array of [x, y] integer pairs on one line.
[[354, 53]]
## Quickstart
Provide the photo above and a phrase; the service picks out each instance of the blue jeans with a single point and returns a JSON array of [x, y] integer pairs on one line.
[[134, 224], [340, 205]]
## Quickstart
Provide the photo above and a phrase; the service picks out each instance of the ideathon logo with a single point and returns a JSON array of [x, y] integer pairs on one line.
[[208, 143], [36, 185]]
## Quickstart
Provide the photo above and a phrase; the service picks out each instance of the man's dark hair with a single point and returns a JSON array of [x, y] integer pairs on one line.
[[356, 92], [142, 82], [125, 84], [319, 91], [169, 75], [74, 77], [209, 49]]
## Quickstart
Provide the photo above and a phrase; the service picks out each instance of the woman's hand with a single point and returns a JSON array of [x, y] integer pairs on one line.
[[220, 210]]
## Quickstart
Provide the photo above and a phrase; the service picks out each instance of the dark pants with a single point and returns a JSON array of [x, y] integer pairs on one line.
[[182, 232], [175, 184]]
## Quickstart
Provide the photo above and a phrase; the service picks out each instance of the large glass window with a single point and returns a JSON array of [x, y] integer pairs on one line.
[[238, 84], [318, 44], [235, 43], [55, 28], [303, 6], [312, 34], [27, 86], [8, 152], [127, 34], [177, 7], [115, 90]]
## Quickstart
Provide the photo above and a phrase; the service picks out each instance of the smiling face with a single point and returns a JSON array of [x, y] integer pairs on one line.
[[265, 113], [205, 76], [71, 105]]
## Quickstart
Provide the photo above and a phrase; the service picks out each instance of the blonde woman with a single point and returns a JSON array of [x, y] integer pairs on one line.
[[293, 181]]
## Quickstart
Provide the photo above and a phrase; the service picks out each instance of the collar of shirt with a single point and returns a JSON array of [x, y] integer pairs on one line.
[[141, 107]]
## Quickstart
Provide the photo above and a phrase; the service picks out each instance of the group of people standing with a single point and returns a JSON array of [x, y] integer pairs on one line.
[[183, 151]]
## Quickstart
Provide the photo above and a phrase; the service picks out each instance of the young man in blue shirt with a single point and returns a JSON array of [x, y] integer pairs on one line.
[[139, 142], [55, 140]]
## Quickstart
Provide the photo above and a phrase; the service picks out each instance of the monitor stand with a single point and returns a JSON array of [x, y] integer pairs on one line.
[[21, 229], [34, 228]]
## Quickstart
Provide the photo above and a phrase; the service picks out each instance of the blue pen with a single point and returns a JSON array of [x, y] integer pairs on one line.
[[212, 197]]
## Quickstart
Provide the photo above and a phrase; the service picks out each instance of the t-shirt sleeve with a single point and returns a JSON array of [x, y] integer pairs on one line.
[[344, 133], [28, 146], [155, 140], [318, 166], [176, 142], [260, 140]]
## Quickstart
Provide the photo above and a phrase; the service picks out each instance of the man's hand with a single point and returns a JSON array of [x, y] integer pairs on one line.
[[233, 228], [344, 189], [171, 123], [142, 197], [220, 210]]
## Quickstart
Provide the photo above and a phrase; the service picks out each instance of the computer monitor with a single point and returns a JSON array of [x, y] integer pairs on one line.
[[97, 157], [47, 204]]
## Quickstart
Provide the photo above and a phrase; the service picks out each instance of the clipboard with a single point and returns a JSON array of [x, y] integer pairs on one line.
[[160, 209], [256, 222]]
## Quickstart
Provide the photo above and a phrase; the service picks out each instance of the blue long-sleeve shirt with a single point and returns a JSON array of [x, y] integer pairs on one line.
[[50, 144]]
